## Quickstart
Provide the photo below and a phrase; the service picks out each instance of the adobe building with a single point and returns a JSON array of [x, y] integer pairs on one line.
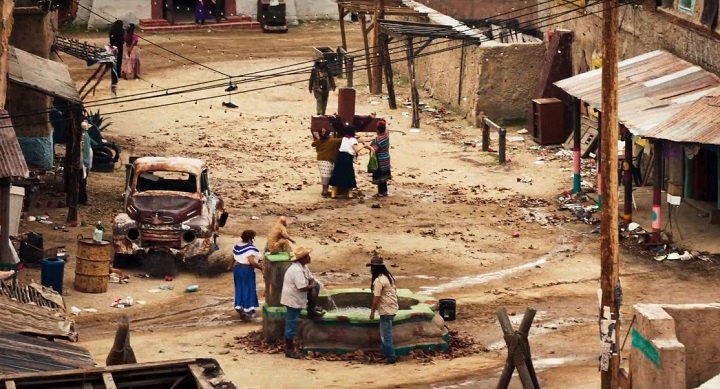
[[34, 31]]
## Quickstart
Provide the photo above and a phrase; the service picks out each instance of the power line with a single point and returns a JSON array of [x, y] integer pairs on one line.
[[464, 44]]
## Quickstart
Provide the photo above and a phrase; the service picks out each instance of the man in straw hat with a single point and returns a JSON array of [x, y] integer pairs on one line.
[[300, 289], [385, 303]]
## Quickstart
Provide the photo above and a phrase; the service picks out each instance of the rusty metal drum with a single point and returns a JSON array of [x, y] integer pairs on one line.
[[92, 268]]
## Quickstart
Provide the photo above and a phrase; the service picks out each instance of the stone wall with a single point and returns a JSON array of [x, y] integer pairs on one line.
[[484, 9], [645, 29], [673, 346], [129, 11]]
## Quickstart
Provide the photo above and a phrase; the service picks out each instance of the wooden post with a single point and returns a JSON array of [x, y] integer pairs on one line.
[[657, 185], [414, 95], [462, 72], [75, 167], [364, 30], [387, 66], [342, 14], [518, 351], [627, 177], [599, 160], [577, 133], [502, 133], [718, 182], [485, 136], [609, 240], [687, 176], [5, 221], [350, 70], [377, 63]]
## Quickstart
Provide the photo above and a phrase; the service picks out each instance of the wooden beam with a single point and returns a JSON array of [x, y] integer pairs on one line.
[[10, 384], [387, 66], [377, 63], [75, 168], [422, 47], [414, 95], [364, 30], [198, 373], [108, 380], [462, 73], [342, 13]]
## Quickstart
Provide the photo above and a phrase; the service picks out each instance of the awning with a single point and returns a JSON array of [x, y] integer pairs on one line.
[[34, 310], [40, 74], [12, 161], [652, 88], [698, 123], [28, 354]]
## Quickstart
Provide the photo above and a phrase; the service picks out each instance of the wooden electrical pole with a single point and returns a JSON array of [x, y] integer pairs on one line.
[[376, 61], [609, 242]]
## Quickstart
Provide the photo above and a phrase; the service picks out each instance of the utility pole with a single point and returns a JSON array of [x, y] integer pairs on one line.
[[377, 66], [609, 241]]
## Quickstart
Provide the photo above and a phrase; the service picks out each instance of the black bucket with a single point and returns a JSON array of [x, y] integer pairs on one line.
[[447, 309]]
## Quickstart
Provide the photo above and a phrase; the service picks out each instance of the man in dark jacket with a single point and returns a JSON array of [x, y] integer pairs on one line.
[[321, 82]]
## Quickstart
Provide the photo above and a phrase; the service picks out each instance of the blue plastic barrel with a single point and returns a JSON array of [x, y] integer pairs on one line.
[[52, 271]]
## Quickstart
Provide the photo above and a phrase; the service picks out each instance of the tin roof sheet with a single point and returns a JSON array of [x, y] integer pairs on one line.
[[12, 161], [652, 88], [34, 310], [29, 354], [43, 75], [698, 123]]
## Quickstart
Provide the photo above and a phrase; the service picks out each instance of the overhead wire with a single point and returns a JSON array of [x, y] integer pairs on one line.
[[544, 18]]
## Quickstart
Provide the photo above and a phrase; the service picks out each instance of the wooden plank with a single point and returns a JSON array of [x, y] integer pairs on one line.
[[10, 384], [108, 380], [87, 385], [387, 66], [198, 373], [414, 95], [365, 31]]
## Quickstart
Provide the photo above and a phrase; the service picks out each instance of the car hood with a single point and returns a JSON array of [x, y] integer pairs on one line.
[[165, 209]]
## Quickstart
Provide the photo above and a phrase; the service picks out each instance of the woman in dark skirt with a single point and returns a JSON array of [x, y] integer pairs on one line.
[[381, 146], [247, 259], [343, 175]]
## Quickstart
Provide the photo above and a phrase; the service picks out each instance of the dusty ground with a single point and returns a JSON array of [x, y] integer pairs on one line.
[[447, 228]]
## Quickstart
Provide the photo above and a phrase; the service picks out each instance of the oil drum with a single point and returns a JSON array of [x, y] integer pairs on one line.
[[92, 268]]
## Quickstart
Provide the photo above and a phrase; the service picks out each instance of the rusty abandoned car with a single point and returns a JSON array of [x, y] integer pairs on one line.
[[171, 215]]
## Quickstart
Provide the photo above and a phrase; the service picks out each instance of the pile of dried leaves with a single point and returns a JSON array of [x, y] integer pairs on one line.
[[461, 345]]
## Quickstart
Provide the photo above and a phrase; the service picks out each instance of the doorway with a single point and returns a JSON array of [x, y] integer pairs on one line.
[[183, 11], [705, 176]]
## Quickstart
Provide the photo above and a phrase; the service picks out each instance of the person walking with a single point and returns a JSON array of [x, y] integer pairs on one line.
[[321, 82], [300, 289], [385, 303], [86, 144], [343, 175], [218, 9], [247, 259], [327, 149], [381, 146], [117, 41], [131, 63]]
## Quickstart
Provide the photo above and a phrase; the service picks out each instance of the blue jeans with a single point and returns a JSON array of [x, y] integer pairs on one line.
[[386, 336], [291, 322], [292, 315]]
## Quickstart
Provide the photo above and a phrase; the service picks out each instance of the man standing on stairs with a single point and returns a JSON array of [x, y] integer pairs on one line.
[[299, 289]]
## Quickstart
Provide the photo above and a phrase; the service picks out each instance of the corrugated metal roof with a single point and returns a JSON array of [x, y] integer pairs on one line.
[[698, 123], [12, 161], [652, 88], [28, 354], [43, 75], [34, 310]]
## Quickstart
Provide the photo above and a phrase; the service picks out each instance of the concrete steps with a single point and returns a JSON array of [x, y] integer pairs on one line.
[[240, 22]]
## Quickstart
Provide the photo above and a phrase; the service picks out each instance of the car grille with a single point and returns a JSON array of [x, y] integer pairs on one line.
[[164, 219], [168, 237]]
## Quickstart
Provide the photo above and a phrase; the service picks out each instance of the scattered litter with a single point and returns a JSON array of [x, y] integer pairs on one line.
[[673, 256], [415, 130], [254, 218], [524, 179], [90, 310], [31, 218], [168, 278], [374, 102], [141, 302], [155, 290], [516, 235], [142, 275], [515, 139], [445, 133], [192, 288], [119, 278], [539, 162], [686, 256], [123, 302], [633, 226], [523, 131], [406, 114], [75, 310], [166, 287], [660, 258], [376, 206]]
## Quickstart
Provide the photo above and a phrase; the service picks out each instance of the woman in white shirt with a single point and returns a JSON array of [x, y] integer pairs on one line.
[[343, 175], [247, 259]]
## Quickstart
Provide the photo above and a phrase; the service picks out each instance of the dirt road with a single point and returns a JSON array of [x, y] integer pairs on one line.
[[456, 224]]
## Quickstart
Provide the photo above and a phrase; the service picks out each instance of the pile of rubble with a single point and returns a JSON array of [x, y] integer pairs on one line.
[[461, 345]]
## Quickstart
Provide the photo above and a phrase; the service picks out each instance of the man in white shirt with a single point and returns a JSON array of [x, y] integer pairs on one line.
[[300, 289]]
